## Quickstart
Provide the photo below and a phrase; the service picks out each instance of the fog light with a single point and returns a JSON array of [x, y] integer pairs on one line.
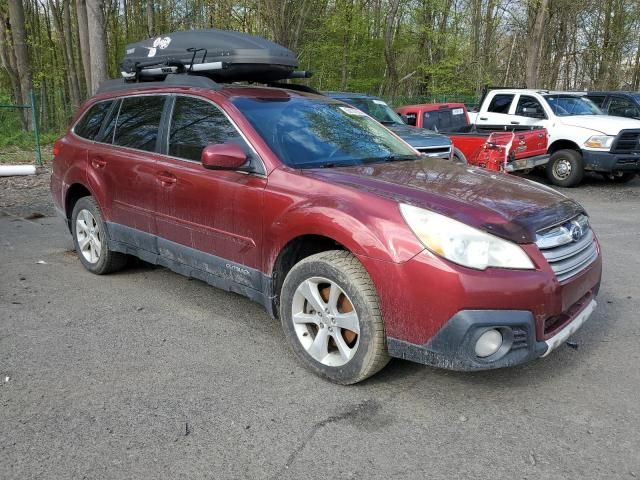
[[488, 343]]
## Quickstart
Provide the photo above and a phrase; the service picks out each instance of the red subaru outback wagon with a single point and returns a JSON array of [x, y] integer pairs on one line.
[[363, 248]]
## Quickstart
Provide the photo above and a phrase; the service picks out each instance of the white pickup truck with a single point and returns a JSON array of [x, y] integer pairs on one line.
[[580, 137]]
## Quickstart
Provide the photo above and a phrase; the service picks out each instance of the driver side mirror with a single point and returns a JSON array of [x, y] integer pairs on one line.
[[404, 118], [225, 156]]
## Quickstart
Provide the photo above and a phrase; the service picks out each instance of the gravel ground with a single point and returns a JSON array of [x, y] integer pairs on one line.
[[146, 374]]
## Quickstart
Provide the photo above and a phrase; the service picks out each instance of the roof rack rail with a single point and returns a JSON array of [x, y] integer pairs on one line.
[[178, 80]]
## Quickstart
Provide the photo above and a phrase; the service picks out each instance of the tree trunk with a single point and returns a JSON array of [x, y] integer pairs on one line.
[[97, 47], [151, 30], [391, 81], [8, 60], [23, 67], [83, 31], [535, 41]]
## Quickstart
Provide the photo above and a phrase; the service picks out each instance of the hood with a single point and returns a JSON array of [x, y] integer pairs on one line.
[[419, 137], [605, 124], [501, 204]]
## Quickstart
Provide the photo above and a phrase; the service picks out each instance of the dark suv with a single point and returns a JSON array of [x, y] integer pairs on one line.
[[363, 248], [425, 141], [618, 104]]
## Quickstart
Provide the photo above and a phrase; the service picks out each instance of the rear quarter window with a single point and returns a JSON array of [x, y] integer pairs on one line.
[[90, 123]]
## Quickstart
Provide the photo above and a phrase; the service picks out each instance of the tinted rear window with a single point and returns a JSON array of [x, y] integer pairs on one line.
[[139, 122], [89, 125], [445, 120]]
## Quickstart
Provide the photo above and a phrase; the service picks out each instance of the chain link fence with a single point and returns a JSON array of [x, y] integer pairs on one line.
[[19, 133], [401, 100]]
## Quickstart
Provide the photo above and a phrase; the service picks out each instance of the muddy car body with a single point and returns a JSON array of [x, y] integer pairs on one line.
[[363, 254]]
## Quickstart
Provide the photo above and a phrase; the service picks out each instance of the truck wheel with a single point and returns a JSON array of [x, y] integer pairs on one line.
[[331, 317], [90, 239], [458, 157], [565, 168]]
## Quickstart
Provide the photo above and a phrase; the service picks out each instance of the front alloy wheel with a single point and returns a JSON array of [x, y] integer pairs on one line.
[[331, 316], [325, 321]]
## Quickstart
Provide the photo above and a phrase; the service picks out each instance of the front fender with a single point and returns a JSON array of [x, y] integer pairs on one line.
[[365, 224]]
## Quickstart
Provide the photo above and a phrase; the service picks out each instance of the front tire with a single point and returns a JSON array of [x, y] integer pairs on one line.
[[459, 158], [565, 168], [331, 317], [90, 239]]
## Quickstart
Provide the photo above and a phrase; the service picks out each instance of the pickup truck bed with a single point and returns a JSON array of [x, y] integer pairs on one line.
[[498, 149]]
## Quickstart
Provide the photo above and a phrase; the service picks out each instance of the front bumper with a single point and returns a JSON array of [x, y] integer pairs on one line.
[[611, 162], [435, 311], [453, 347]]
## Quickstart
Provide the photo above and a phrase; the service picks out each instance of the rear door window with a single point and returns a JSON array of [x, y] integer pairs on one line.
[[89, 125], [138, 122], [500, 103]]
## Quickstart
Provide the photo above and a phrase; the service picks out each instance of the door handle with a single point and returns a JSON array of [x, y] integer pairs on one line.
[[98, 162], [167, 178], [484, 118], [515, 123]]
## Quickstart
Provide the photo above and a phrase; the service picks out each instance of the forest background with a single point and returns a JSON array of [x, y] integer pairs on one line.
[[403, 50]]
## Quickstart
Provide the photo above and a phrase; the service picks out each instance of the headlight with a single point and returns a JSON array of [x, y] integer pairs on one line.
[[599, 141], [463, 244]]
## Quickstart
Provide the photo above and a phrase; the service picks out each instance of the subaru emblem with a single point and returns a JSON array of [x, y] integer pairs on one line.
[[575, 230]]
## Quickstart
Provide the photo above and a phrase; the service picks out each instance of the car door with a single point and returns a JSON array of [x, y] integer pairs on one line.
[[529, 112], [208, 219], [497, 112], [123, 162]]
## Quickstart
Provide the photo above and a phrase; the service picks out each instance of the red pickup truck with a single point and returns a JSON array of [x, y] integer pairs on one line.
[[504, 150]]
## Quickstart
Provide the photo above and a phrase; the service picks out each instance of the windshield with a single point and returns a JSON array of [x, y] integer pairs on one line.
[[568, 105], [377, 109], [313, 133]]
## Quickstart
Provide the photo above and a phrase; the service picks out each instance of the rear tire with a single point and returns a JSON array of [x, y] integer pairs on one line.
[[331, 317], [565, 168], [91, 241]]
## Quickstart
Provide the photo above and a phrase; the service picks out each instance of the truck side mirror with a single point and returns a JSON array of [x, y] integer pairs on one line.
[[404, 118]]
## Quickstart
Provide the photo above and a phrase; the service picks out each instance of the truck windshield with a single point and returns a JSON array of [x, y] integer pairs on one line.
[[568, 105], [320, 133], [377, 109]]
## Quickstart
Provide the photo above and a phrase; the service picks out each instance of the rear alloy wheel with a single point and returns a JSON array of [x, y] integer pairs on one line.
[[331, 317], [90, 239], [565, 168]]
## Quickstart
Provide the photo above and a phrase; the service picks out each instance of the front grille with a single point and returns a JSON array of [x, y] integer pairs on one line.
[[439, 151], [569, 248], [627, 141]]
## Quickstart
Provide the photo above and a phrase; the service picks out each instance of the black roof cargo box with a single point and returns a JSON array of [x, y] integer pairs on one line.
[[223, 56]]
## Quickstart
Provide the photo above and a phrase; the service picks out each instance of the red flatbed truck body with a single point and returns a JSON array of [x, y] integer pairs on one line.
[[503, 150]]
